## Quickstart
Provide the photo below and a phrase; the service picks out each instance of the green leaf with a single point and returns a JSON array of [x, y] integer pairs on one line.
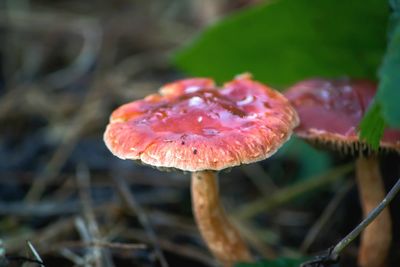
[[284, 41], [281, 262], [386, 107], [389, 86], [372, 126]]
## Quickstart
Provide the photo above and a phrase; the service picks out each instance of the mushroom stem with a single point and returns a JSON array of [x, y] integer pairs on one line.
[[376, 238], [221, 236]]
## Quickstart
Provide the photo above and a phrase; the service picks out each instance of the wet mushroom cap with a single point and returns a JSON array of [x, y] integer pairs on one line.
[[192, 125], [331, 110]]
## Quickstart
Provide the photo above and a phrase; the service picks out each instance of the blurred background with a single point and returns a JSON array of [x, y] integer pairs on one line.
[[64, 66]]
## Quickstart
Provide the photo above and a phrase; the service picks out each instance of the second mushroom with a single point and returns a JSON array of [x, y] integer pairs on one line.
[[330, 112], [193, 126]]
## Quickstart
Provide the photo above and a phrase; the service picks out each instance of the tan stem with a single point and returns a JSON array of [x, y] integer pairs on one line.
[[376, 238], [221, 236]]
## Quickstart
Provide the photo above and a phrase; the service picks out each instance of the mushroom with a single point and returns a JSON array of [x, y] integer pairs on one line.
[[330, 112], [193, 126]]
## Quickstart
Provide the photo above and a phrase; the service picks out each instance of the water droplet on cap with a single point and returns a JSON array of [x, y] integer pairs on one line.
[[192, 89], [195, 101], [210, 131], [245, 101]]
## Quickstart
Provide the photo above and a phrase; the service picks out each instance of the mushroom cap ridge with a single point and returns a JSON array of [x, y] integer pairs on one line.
[[191, 125], [331, 110]]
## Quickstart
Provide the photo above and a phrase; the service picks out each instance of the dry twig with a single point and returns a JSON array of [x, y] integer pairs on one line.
[[134, 206]]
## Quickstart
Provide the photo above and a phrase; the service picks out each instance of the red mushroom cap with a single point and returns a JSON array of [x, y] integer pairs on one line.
[[331, 110], [192, 125]]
